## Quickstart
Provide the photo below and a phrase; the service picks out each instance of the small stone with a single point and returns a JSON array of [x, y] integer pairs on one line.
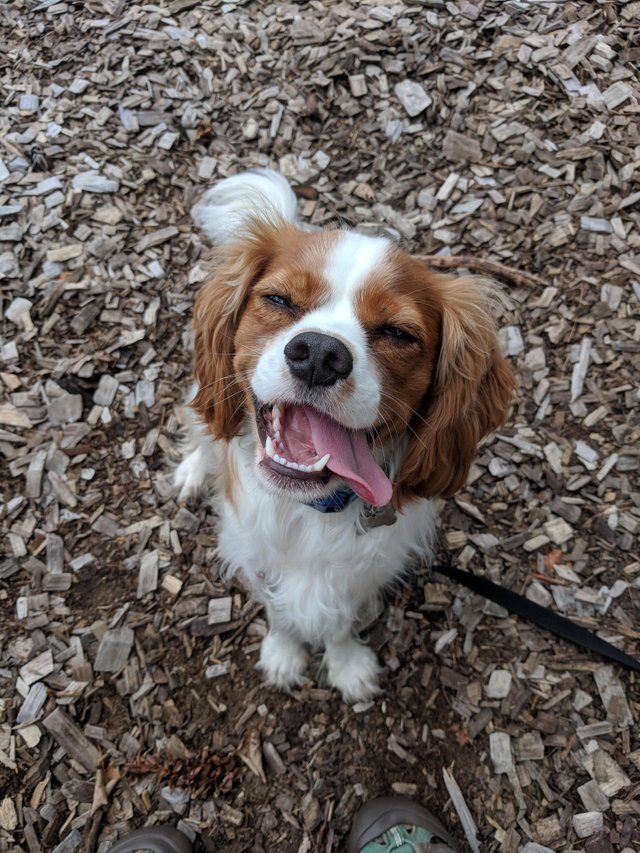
[[412, 97], [92, 182], [250, 129], [31, 735], [17, 309], [500, 468], [587, 823], [106, 391], [499, 684], [65, 409]]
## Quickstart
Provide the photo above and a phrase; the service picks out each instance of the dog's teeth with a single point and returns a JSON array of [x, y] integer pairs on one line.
[[268, 446], [321, 463], [276, 425], [280, 459], [276, 411], [306, 468]]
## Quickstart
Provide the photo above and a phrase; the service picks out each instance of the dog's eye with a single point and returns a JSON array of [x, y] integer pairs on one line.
[[281, 301], [396, 333]]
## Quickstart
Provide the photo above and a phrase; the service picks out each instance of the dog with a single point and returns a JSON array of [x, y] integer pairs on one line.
[[340, 387]]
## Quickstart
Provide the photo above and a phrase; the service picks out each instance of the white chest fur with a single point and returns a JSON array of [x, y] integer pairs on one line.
[[313, 571]]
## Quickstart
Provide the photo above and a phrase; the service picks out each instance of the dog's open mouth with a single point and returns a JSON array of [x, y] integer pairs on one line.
[[300, 443]]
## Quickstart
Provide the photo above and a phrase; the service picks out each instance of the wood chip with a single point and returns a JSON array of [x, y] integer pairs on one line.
[[114, 649], [72, 740], [613, 696], [148, 575], [468, 824], [500, 748]]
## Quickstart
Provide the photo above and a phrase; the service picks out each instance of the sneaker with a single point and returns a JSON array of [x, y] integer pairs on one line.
[[398, 824], [156, 839]]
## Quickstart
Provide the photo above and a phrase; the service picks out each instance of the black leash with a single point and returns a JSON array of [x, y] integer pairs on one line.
[[541, 616]]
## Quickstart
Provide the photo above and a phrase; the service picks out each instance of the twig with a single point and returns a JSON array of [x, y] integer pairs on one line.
[[452, 262], [89, 844]]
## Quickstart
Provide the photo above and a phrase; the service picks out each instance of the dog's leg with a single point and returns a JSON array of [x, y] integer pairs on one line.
[[191, 474], [283, 659], [195, 472], [352, 667]]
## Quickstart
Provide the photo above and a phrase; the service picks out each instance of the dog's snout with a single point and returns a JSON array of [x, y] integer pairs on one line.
[[318, 359]]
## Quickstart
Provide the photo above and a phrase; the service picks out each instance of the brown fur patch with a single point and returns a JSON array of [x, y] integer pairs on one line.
[[449, 389], [233, 321]]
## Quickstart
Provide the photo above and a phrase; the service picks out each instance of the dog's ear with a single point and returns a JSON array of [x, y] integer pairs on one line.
[[470, 393], [218, 309]]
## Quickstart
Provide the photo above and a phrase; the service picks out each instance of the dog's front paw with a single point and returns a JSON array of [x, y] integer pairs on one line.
[[283, 661], [353, 668], [190, 476]]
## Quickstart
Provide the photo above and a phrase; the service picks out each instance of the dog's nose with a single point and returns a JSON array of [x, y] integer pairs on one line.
[[318, 359]]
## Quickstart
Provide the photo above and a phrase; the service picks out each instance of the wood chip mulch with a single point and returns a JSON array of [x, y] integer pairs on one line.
[[503, 132]]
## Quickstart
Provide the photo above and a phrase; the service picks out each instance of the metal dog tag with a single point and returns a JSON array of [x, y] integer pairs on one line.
[[375, 516]]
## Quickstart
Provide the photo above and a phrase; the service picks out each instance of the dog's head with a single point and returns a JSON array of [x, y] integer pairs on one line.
[[350, 361]]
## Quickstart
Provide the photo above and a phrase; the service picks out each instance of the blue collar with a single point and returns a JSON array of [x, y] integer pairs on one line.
[[335, 502]]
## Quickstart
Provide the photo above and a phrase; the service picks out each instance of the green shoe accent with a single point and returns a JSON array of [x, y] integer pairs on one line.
[[403, 838]]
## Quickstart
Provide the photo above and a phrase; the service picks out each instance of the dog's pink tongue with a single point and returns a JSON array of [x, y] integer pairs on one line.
[[350, 459]]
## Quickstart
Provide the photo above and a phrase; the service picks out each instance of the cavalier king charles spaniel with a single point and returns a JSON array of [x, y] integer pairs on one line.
[[340, 387]]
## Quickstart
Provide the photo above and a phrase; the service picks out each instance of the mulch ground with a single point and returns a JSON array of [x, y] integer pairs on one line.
[[504, 131]]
